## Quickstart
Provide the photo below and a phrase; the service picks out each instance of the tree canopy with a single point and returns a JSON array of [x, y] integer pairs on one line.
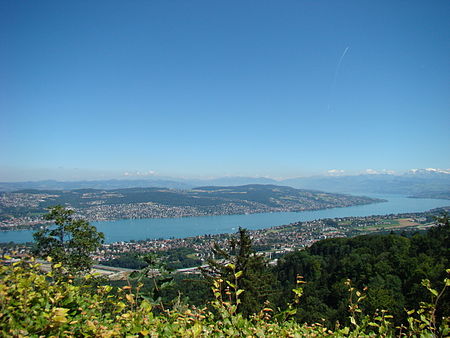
[[241, 268], [68, 240], [390, 266]]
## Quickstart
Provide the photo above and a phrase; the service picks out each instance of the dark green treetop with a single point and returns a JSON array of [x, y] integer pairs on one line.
[[255, 276]]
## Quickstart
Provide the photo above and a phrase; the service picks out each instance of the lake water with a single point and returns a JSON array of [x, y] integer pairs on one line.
[[153, 228]]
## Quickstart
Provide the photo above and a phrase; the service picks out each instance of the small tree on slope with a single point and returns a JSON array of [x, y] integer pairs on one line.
[[68, 241]]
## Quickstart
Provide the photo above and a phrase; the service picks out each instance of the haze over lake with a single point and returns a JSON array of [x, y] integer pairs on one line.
[[140, 229]]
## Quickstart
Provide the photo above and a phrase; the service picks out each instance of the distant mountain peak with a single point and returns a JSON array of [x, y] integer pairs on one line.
[[429, 171], [379, 172]]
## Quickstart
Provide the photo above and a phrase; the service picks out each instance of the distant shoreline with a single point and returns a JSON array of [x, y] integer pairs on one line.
[[39, 225], [24, 209]]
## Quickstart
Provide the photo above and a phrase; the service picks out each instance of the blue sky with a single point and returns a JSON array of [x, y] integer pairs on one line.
[[92, 89]]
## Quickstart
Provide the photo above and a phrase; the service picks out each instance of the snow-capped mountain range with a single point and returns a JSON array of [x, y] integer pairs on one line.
[[428, 171]]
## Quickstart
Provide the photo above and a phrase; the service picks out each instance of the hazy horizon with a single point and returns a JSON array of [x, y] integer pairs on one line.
[[68, 175], [201, 89]]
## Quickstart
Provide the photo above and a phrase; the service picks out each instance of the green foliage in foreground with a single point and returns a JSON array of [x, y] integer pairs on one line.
[[255, 276], [34, 303]]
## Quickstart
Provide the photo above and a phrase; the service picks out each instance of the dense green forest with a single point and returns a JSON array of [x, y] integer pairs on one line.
[[177, 258], [390, 266]]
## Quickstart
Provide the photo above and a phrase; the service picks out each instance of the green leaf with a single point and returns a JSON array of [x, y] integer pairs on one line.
[[231, 284], [238, 292], [346, 330], [433, 291], [231, 266]]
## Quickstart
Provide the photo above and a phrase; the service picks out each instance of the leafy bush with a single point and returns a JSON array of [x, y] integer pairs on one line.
[[34, 303]]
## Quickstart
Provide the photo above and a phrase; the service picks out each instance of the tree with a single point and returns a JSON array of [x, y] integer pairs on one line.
[[254, 275], [68, 241], [157, 274]]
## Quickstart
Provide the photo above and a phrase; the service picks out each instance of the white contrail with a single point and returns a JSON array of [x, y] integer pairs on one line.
[[336, 72], [342, 57]]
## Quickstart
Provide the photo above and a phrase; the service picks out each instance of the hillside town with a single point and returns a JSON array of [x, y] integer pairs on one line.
[[21, 210]]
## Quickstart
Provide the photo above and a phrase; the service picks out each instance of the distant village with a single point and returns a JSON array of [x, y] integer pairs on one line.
[[22, 210]]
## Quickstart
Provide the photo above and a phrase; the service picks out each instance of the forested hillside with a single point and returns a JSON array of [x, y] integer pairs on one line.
[[391, 267]]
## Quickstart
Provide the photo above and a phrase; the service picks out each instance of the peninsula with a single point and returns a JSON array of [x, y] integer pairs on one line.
[[24, 208]]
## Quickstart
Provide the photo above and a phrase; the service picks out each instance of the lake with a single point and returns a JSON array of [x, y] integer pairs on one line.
[[153, 228]]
